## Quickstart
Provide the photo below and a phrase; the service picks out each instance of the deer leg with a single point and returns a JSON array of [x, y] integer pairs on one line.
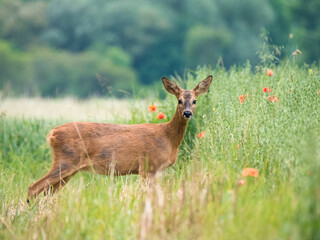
[[54, 176], [57, 187], [144, 167]]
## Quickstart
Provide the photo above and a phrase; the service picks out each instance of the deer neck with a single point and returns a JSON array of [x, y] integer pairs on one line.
[[176, 128]]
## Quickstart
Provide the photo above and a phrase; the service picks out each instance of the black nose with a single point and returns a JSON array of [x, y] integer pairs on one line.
[[187, 114]]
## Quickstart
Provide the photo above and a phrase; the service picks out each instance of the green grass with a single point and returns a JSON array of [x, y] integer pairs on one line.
[[199, 197]]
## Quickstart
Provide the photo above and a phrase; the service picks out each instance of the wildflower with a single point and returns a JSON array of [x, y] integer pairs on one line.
[[318, 92], [296, 52], [152, 108], [266, 89], [253, 172], [269, 72], [201, 135], [161, 116], [243, 97], [274, 99], [213, 109], [241, 182], [238, 146], [310, 71], [291, 35]]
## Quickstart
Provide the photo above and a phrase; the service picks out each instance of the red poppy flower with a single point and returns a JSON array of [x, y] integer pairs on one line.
[[152, 108], [266, 89], [201, 135], [269, 72], [274, 99], [242, 98], [253, 172], [161, 116]]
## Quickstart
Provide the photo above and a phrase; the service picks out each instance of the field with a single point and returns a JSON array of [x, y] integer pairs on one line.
[[202, 196]]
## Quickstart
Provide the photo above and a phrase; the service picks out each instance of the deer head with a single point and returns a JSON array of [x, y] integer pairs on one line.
[[187, 99]]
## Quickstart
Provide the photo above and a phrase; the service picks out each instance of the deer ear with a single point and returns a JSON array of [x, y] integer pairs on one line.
[[202, 86], [171, 87]]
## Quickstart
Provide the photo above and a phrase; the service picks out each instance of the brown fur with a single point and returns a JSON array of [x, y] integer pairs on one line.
[[116, 148]]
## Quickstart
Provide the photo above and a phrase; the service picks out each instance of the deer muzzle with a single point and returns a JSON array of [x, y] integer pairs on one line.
[[187, 114]]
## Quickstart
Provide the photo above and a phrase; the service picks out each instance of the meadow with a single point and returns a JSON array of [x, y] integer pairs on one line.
[[265, 118]]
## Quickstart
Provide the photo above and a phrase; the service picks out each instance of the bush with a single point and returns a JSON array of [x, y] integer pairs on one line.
[[205, 44], [83, 74], [15, 70]]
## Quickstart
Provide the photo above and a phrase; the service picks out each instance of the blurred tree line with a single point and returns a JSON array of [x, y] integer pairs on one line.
[[91, 47]]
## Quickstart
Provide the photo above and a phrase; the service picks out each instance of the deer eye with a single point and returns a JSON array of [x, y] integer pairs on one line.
[[194, 101], [180, 101]]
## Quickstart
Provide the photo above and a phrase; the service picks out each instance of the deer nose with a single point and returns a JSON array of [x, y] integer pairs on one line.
[[187, 114]]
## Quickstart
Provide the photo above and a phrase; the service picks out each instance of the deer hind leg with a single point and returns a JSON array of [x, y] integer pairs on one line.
[[57, 187], [58, 173]]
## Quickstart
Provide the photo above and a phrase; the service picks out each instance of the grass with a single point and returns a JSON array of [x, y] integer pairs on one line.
[[199, 197]]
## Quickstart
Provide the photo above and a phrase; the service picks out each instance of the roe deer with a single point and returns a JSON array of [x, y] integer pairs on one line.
[[124, 149]]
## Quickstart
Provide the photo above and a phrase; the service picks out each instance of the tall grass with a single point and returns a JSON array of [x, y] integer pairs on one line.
[[199, 197]]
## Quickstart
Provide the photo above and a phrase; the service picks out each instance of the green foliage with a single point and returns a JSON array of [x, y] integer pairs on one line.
[[153, 38], [199, 196], [205, 44], [82, 73], [49, 73], [307, 28], [22, 22], [15, 70], [118, 56], [133, 26], [268, 52]]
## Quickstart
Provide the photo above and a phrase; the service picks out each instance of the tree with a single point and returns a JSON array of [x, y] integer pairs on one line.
[[307, 28], [82, 74], [205, 44], [15, 70], [22, 23]]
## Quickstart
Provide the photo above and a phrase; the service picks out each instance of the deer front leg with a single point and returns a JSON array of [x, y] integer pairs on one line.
[[146, 169]]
